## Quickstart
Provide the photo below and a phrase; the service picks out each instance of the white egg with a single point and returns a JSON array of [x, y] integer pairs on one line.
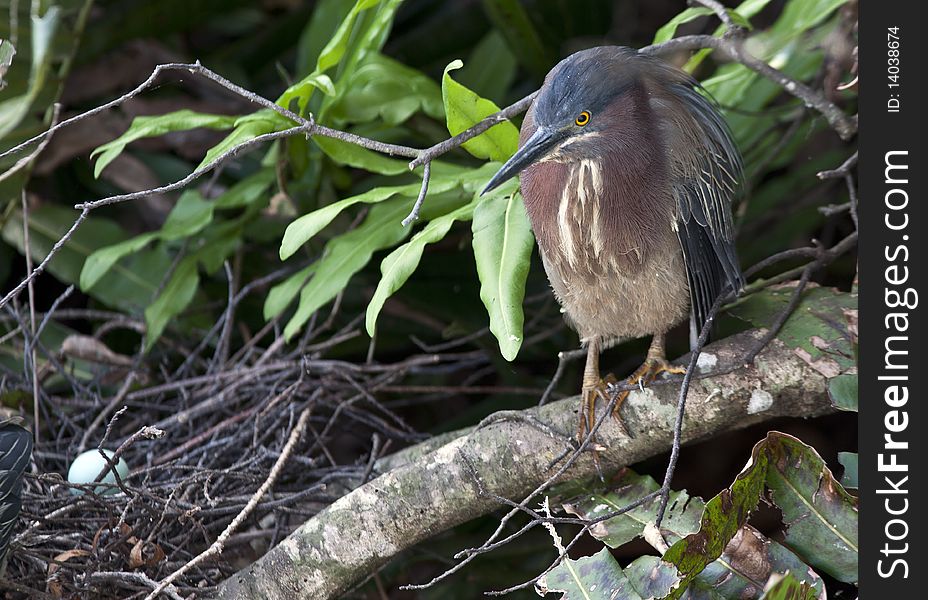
[[88, 465]]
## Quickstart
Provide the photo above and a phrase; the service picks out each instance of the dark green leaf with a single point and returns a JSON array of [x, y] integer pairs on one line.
[[597, 576], [849, 461], [175, 297], [843, 392], [352, 155], [818, 340], [820, 515], [723, 516]]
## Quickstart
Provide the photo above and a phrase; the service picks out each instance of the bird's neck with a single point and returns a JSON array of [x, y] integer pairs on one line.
[[611, 212]]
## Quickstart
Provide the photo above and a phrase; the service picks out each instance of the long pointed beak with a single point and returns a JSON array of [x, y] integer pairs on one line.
[[534, 149]]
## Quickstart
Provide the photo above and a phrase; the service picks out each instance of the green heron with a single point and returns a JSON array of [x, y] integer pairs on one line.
[[628, 173]]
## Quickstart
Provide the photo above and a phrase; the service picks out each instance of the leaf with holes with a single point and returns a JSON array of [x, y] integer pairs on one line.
[[597, 576], [722, 518], [681, 518], [820, 515]]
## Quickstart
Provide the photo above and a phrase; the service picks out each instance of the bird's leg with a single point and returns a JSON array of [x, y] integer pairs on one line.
[[655, 364], [594, 387]]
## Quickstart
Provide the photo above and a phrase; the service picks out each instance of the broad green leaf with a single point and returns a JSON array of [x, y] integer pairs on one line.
[[503, 243], [189, 216], [143, 127], [326, 17], [722, 518], [597, 576], [385, 89], [681, 519], [281, 295], [397, 267], [348, 253], [352, 155], [464, 108], [512, 20], [175, 297], [820, 515], [101, 261], [849, 461], [843, 392], [301, 91], [822, 343], [790, 588]]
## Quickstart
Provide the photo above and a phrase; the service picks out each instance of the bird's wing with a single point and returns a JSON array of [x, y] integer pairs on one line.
[[15, 454], [707, 171]]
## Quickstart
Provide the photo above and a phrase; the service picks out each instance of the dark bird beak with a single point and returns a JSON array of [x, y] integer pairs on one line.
[[534, 149]]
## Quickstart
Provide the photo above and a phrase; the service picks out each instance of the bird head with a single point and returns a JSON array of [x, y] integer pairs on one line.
[[573, 108]]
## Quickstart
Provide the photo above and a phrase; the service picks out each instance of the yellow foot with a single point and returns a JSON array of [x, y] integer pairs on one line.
[[592, 391], [644, 375]]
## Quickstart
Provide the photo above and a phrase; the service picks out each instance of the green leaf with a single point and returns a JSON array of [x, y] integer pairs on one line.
[[822, 343], [348, 253], [101, 261], [849, 461], [651, 577], [143, 127], [352, 155], [397, 267], [790, 588], [464, 108], [43, 32], [670, 28], [175, 297], [843, 392], [821, 516], [503, 243], [385, 89], [189, 216], [723, 516], [597, 576], [333, 51], [281, 295]]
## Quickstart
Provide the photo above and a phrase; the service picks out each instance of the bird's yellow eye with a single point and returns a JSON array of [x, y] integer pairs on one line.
[[583, 118]]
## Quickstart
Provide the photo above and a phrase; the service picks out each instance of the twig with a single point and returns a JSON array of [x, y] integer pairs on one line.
[[414, 213], [216, 547]]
